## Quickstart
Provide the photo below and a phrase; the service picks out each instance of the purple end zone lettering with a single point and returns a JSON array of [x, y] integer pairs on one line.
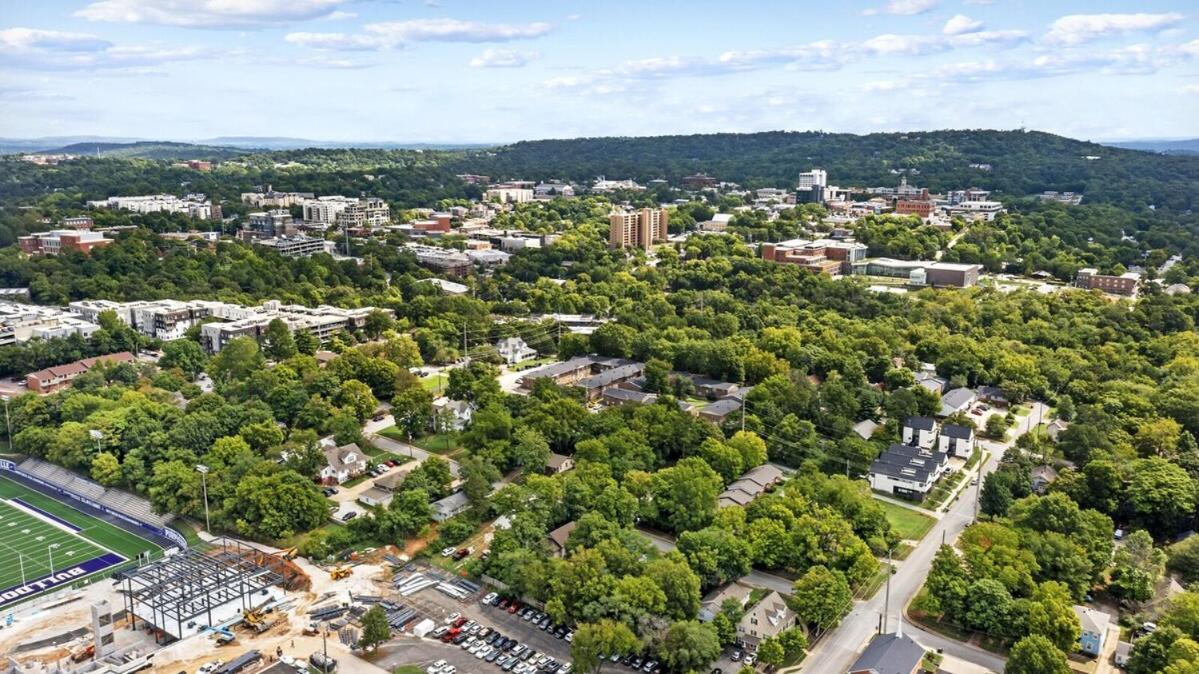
[[61, 577], [47, 515]]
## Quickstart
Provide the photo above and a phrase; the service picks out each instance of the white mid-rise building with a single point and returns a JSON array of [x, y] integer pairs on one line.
[[194, 205], [813, 178]]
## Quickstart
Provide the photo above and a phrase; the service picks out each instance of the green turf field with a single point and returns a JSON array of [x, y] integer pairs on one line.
[[26, 537]]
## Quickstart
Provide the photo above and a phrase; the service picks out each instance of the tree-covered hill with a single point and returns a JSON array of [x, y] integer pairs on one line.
[[1022, 162], [152, 150]]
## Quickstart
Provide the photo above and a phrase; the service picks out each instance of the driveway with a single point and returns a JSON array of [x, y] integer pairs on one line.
[[405, 449]]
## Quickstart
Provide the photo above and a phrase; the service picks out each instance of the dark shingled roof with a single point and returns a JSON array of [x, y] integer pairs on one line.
[[956, 431], [920, 423], [889, 654]]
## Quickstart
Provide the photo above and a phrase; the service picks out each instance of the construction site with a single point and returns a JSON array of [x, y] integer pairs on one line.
[[226, 607]]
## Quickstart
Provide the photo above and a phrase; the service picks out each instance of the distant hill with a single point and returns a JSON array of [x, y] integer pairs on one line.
[[287, 143], [1017, 163], [149, 149], [1188, 146], [15, 145]]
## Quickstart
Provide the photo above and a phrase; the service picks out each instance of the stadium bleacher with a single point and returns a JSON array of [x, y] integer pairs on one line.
[[120, 501]]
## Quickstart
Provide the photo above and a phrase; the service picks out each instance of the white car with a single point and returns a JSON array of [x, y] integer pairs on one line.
[[469, 643], [452, 617], [446, 552], [489, 598], [210, 667], [436, 667], [483, 652]]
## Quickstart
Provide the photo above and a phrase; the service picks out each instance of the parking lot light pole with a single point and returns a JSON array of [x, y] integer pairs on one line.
[[203, 470], [7, 422]]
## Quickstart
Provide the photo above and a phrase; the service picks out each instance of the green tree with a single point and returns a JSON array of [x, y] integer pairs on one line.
[[356, 397], [106, 469], [278, 342], [770, 652], [238, 360], [1137, 566], [821, 597], [306, 342], [593, 641], [1051, 615], [1036, 655], [688, 645], [183, 354], [375, 629]]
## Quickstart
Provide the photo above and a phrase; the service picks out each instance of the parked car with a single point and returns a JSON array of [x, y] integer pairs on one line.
[[736, 656], [487, 599], [349, 516]]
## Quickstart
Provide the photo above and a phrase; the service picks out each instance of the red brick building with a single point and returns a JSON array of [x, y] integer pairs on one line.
[[59, 240], [922, 209], [53, 378]]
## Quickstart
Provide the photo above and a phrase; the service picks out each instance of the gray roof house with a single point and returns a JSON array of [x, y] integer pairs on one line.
[[718, 411], [865, 429], [752, 484], [449, 506], [763, 620], [889, 654], [957, 400], [716, 598]]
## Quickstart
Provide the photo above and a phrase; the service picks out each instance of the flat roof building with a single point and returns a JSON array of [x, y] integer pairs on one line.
[[637, 229]]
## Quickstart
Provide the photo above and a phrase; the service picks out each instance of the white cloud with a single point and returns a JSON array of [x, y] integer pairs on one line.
[[341, 16], [1189, 89], [209, 13], [57, 50], [960, 23], [903, 7], [1137, 59], [1078, 28], [393, 34], [504, 58]]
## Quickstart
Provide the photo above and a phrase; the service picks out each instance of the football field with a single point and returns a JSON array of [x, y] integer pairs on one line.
[[45, 544]]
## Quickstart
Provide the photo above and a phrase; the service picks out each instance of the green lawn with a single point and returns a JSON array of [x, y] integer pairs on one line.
[[908, 524], [438, 443], [435, 382]]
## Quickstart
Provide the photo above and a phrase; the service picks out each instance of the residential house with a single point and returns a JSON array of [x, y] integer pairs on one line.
[[618, 395], [956, 440], [767, 618], [558, 463], [559, 536], [712, 389], [457, 413], [720, 410], [957, 400], [383, 489], [752, 484], [993, 395], [514, 350], [343, 463], [1123, 653], [929, 380], [1054, 428], [906, 471], [1094, 629], [444, 509], [865, 429], [889, 654], [1042, 477], [920, 432], [712, 603]]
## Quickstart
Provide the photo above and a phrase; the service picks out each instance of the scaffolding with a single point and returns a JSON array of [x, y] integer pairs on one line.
[[196, 591]]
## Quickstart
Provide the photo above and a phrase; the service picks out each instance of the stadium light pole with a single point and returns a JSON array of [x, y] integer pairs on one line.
[[8, 422], [203, 470], [97, 436], [50, 551], [21, 561]]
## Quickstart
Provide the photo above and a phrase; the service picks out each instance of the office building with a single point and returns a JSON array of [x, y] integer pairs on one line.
[[275, 222], [1124, 284], [920, 209], [62, 240], [294, 246], [324, 210], [508, 193], [269, 198], [921, 273], [637, 229]]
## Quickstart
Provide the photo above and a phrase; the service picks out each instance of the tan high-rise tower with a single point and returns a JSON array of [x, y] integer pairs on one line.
[[640, 228]]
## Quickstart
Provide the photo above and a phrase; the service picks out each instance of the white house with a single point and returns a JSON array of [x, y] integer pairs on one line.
[[920, 432], [907, 472], [956, 440], [957, 400], [449, 506], [514, 350], [458, 412], [343, 463]]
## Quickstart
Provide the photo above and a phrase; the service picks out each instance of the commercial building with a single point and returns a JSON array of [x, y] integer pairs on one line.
[[443, 260], [296, 245], [62, 240], [698, 181], [637, 229], [1124, 284], [508, 193], [193, 205], [53, 378], [825, 256], [813, 186], [921, 209], [920, 272], [976, 210]]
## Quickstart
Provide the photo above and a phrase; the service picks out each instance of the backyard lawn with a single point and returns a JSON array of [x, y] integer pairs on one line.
[[908, 524], [435, 382]]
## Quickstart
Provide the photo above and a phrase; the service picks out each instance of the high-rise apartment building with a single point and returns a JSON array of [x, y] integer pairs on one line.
[[640, 228]]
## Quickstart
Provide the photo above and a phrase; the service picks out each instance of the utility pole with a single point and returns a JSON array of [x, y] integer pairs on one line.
[[8, 423], [743, 397], [978, 487], [325, 648], [203, 470], [887, 599]]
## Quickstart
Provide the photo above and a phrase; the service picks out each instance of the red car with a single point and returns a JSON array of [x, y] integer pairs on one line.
[[514, 607], [459, 622]]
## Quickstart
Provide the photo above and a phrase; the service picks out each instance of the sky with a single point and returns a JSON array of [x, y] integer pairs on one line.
[[458, 71]]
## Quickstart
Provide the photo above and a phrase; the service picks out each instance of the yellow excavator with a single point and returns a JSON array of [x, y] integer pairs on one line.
[[289, 553], [339, 572], [258, 618]]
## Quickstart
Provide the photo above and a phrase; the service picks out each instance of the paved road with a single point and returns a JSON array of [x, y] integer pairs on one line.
[[837, 651], [405, 449]]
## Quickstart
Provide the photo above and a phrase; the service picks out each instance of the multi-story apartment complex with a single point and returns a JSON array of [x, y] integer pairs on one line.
[[275, 222], [269, 198], [1124, 284], [637, 229], [324, 210], [508, 193], [194, 205], [161, 319], [443, 260], [62, 240], [365, 212], [23, 322], [296, 245], [322, 322], [78, 222]]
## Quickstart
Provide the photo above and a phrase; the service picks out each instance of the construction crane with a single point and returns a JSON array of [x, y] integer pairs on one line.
[[339, 572]]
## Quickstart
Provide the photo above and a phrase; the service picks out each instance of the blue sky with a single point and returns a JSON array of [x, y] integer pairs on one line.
[[458, 71]]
